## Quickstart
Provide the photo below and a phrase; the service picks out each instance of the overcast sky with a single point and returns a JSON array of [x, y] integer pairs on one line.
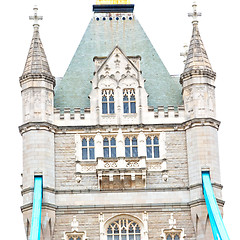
[[168, 27]]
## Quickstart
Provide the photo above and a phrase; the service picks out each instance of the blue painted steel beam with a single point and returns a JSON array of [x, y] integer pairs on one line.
[[37, 209], [218, 229]]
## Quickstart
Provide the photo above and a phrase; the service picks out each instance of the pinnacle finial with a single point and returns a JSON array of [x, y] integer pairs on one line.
[[35, 17], [184, 54], [195, 14]]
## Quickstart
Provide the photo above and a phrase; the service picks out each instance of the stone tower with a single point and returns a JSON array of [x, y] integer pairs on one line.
[[120, 143]]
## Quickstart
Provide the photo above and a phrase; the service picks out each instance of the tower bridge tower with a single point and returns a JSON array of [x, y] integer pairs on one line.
[[119, 145]]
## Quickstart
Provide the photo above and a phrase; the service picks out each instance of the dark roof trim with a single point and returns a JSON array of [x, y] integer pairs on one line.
[[113, 8]]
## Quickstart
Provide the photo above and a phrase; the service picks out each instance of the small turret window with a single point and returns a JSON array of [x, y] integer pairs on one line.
[[129, 101], [108, 101], [88, 149], [152, 144]]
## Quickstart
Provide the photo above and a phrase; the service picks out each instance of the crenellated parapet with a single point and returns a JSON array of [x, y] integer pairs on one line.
[[85, 117]]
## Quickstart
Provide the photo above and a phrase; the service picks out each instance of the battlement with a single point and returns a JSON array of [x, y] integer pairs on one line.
[[85, 117], [168, 112]]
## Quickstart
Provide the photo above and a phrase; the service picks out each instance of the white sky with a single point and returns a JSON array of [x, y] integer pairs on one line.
[[168, 27]]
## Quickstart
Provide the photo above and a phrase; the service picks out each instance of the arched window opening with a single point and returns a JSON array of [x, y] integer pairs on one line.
[[124, 229], [108, 101], [129, 101]]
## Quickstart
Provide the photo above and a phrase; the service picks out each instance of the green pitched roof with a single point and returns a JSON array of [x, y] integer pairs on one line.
[[99, 40]]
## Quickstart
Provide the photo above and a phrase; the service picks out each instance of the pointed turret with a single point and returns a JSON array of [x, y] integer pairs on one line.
[[37, 85], [36, 63], [197, 62]]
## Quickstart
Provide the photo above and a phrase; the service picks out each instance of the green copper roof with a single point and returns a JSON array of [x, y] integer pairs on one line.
[[99, 40]]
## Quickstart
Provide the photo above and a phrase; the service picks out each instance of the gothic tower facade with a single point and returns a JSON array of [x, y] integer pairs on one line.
[[119, 143]]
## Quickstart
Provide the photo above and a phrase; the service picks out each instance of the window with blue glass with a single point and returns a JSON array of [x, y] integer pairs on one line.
[[88, 149], [131, 147], [108, 101], [173, 236], [124, 229], [109, 147], [129, 101], [152, 143]]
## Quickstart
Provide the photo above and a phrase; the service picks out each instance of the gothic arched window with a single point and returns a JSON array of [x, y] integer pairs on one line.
[[152, 144], [131, 147], [124, 229], [108, 101], [88, 149], [109, 147], [173, 236], [129, 101]]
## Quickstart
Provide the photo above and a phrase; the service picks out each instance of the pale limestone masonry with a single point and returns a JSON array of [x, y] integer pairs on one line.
[[84, 193]]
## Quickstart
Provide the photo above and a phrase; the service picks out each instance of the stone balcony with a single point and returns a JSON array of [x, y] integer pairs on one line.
[[121, 172]]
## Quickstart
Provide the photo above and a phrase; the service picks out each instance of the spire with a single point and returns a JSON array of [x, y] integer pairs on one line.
[[197, 60], [36, 63]]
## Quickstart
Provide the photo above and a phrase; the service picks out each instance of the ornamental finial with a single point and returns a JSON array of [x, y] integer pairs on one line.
[[195, 14], [35, 17]]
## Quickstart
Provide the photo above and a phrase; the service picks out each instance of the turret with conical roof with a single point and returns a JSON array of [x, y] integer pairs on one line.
[[37, 84], [198, 82]]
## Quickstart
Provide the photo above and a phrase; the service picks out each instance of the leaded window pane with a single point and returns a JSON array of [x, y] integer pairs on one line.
[[109, 237], [156, 141], [111, 108], [138, 237], [149, 152], [124, 237], [131, 237], [104, 99], [105, 142], [156, 152], [149, 141], [104, 108], [113, 142], [135, 152], [106, 152], [125, 107], [169, 237], [84, 154], [91, 153], [133, 107], [116, 237], [109, 231], [134, 141], [84, 142], [127, 141], [91, 142], [78, 238], [113, 152], [127, 152], [176, 237]]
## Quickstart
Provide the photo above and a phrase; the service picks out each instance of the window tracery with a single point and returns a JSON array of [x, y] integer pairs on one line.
[[108, 101], [124, 229], [129, 101]]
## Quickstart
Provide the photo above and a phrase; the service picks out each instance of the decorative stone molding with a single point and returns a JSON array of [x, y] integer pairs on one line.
[[174, 232]]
